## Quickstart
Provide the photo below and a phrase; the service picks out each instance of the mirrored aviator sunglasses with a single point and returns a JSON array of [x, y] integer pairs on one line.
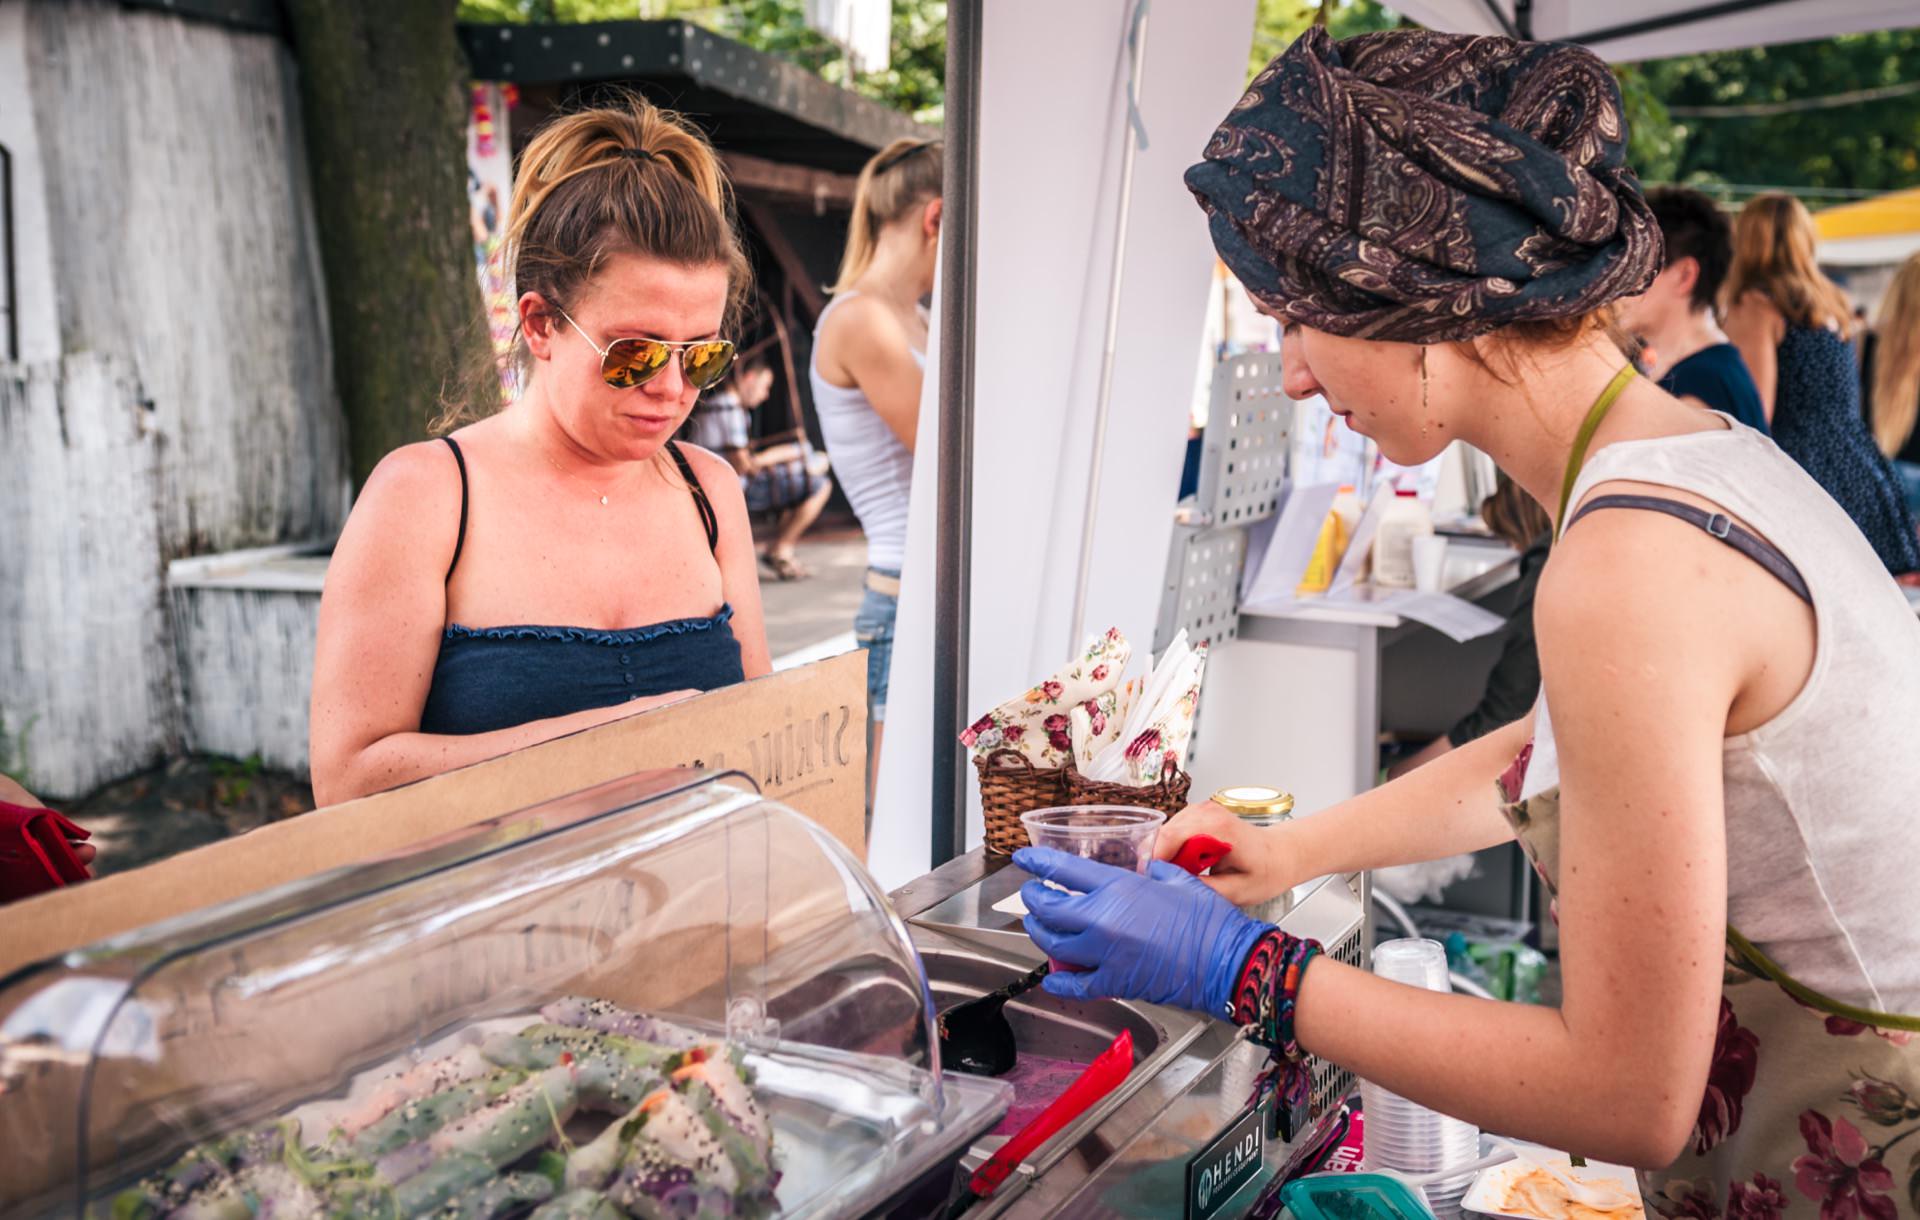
[[627, 363]]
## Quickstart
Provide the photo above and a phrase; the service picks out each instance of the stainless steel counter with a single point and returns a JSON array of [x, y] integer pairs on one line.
[[1131, 1158]]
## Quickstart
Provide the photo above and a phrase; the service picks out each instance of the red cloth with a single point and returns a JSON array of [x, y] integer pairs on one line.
[[36, 852]]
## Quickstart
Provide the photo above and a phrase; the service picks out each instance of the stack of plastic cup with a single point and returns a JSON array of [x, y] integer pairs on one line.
[[1409, 1138]]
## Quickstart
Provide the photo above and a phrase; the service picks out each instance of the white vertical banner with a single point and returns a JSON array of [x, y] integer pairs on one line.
[[1052, 137], [863, 27]]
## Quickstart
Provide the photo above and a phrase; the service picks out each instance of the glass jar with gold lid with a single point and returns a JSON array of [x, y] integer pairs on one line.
[[1262, 806]]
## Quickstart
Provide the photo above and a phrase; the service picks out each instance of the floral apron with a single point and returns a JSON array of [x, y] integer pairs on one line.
[[1811, 1106]]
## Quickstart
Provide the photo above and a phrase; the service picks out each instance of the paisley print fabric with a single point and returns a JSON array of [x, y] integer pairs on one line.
[[1427, 187]]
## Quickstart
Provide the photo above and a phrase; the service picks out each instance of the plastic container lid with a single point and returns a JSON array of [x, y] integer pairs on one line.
[[1353, 1196]]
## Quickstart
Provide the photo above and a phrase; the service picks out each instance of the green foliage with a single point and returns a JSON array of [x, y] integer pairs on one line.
[[913, 81], [233, 778], [1276, 23], [1824, 154]]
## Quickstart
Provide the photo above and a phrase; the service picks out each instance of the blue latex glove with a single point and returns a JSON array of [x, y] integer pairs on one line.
[[1165, 937]]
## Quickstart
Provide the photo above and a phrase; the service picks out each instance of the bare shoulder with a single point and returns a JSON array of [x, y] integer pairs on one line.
[[714, 472], [860, 322], [1753, 311], [411, 502], [1640, 577]]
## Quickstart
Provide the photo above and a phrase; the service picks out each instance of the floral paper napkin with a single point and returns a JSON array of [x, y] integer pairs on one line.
[[1038, 724], [1134, 733]]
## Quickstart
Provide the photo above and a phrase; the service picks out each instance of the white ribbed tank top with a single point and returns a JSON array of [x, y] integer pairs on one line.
[[873, 467]]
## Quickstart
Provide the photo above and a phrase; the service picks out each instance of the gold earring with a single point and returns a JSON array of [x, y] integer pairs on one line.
[[1423, 393]]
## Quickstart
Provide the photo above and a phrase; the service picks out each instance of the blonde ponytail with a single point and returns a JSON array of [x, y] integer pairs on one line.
[[900, 177]]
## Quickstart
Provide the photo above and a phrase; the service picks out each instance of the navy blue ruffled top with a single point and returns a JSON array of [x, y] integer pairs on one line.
[[498, 677]]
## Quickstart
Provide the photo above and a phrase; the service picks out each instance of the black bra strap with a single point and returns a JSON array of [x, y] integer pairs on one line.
[[1720, 526], [459, 542], [700, 501]]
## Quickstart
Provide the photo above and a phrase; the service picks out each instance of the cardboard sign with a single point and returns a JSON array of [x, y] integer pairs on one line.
[[800, 734]]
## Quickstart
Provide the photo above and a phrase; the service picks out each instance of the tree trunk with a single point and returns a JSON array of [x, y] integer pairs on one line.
[[382, 85]]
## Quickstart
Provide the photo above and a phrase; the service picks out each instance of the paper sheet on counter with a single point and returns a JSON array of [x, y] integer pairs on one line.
[[1455, 617]]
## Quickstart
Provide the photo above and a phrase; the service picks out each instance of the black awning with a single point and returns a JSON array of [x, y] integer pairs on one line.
[[748, 101]]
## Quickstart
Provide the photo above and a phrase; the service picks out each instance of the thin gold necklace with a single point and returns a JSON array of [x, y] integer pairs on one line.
[[576, 478]]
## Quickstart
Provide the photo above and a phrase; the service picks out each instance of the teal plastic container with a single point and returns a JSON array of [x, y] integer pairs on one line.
[[1353, 1196]]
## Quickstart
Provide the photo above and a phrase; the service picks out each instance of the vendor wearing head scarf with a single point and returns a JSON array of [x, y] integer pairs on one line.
[[1727, 772]]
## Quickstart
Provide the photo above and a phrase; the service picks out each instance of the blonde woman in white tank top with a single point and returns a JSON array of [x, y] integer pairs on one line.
[[1718, 782], [869, 354]]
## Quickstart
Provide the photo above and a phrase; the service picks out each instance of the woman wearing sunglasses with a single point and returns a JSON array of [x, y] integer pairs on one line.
[[563, 562], [1717, 780]]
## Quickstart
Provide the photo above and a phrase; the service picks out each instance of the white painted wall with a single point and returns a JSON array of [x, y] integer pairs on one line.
[[246, 670], [1054, 117], [33, 242], [182, 238], [86, 669], [174, 393]]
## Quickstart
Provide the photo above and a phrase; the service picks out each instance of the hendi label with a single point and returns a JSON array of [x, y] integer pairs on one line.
[[1218, 1171]]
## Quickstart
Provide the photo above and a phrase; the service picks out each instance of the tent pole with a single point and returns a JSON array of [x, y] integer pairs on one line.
[[1671, 20], [953, 525], [1103, 399]]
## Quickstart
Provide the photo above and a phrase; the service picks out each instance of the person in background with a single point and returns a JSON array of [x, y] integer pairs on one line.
[[564, 562], [1890, 375], [1791, 324], [869, 355], [788, 480], [1674, 318], [1514, 682]]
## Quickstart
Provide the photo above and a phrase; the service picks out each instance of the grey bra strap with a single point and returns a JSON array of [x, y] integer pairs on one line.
[[1720, 526]]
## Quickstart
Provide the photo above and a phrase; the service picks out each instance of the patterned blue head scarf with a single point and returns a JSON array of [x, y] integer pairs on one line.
[[1428, 187]]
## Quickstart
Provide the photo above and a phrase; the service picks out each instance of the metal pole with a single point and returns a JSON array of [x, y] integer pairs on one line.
[[1103, 399], [953, 543]]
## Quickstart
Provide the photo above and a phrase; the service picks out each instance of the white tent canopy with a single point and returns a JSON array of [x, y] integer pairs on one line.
[[1032, 489], [1625, 30]]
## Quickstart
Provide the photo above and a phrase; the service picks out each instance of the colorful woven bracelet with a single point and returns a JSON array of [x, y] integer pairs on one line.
[[1269, 990]]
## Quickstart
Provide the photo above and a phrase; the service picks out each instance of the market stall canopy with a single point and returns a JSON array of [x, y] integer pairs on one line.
[[1874, 232], [750, 102], [1626, 30]]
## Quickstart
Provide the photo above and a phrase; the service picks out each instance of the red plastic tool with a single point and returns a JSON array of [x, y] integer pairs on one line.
[[1201, 853], [1102, 1076]]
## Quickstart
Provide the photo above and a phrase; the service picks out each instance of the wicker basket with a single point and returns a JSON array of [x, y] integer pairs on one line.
[[1009, 787], [1169, 796]]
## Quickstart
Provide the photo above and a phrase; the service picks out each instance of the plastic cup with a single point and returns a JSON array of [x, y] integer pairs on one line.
[[1418, 963], [1120, 835], [1429, 562]]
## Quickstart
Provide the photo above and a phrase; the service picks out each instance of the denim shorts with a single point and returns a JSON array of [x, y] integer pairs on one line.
[[873, 628]]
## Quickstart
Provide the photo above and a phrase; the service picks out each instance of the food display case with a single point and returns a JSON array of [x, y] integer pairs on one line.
[[661, 996]]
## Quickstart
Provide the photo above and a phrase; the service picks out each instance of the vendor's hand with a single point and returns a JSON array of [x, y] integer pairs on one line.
[[1255, 870], [1164, 937]]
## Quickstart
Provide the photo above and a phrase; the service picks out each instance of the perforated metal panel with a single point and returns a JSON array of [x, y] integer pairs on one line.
[[1202, 592], [1243, 461]]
